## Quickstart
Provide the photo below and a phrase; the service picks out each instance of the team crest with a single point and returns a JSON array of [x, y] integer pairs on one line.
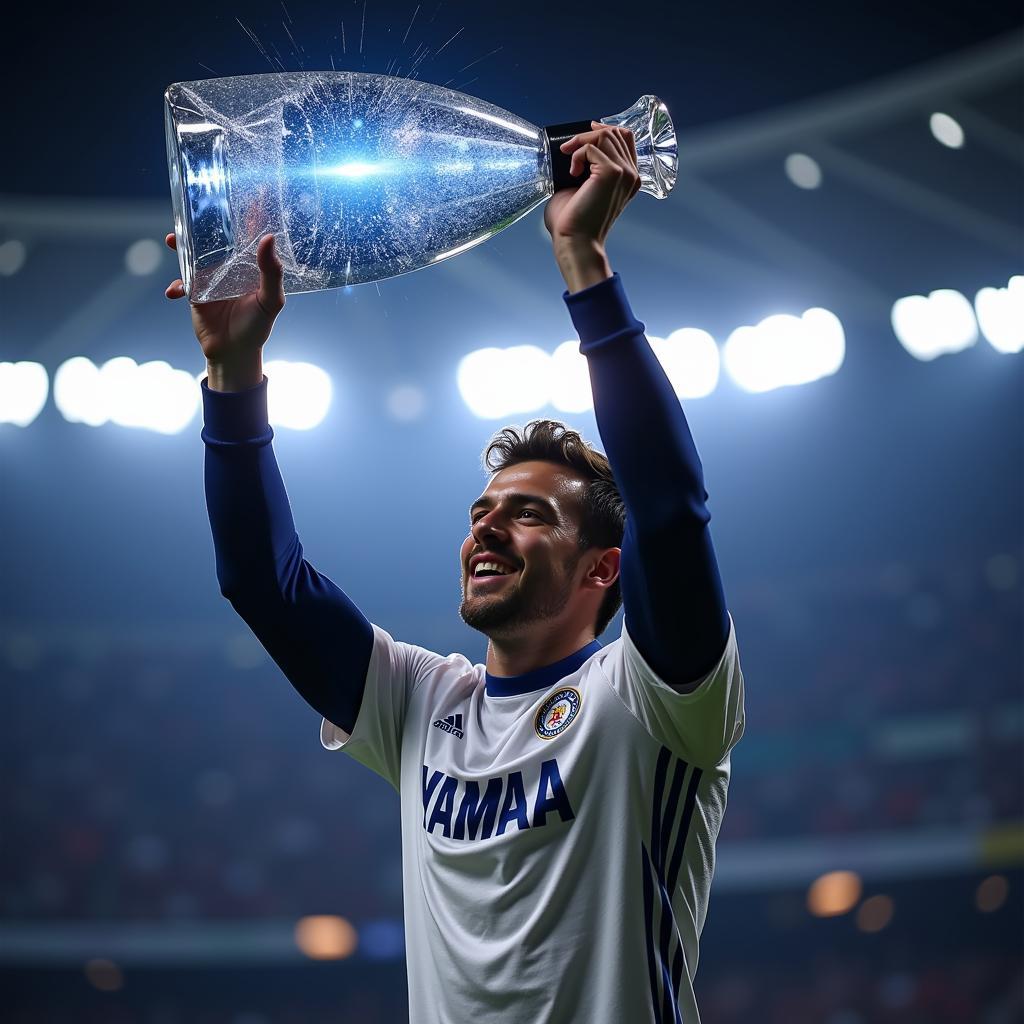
[[556, 714]]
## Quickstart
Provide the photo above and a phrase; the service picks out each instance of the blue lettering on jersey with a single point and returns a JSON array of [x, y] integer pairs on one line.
[[444, 806], [557, 801], [428, 790], [476, 815], [514, 807]]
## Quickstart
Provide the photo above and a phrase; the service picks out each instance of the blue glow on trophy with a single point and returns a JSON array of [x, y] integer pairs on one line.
[[361, 177]]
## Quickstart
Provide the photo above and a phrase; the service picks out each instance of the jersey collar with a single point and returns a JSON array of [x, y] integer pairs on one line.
[[538, 678]]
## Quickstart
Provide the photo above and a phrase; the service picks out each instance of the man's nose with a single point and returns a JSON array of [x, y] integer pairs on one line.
[[489, 524]]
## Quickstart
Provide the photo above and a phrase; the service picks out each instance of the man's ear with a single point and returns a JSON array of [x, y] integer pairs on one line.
[[605, 571]]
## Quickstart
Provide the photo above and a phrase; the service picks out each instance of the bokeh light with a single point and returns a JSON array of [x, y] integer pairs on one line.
[[874, 913], [325, 937], [104, 975], [690, 359], [23, 390], [946, 130], [12, 257], [299, 394], [783, 350], [803, 170], [144, 257], [570, 379], [153, 396], [1000, 313], [992, 893], [935, 325], [834, 893]]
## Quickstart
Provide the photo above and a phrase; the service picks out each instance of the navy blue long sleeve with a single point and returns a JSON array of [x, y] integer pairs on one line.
[[316, 635], [675, 609], [672, 594]]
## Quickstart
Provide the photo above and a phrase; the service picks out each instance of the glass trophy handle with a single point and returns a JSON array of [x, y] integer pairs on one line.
[[655, 137]]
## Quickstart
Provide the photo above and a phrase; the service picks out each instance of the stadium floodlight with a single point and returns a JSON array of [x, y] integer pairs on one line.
[[23, 390], [77, 393], [166, 400], [803, 170], [496, 382], [475, 377], [570, 379], [153, 396], [298, 394], [784, 350], [526, 378], [946, 130], [125, 404], [939, 324], [691, 361], [1000, 314]]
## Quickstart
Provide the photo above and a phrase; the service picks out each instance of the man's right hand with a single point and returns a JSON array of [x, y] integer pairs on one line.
[[232, 332]]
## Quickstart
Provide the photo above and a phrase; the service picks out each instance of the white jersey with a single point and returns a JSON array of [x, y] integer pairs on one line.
[[558, 845]]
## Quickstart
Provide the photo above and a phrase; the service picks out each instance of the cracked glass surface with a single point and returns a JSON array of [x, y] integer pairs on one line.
[[360, 177]]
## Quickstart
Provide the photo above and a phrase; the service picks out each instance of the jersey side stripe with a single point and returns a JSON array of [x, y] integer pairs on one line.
[[670, 813], [671, 1002], [677, 856], [668, 922], [652, 971], [684, 828], [668, 822], [662, 822], [659, 789]]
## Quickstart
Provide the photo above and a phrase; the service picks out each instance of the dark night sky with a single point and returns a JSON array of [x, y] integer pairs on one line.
[[84, 89]]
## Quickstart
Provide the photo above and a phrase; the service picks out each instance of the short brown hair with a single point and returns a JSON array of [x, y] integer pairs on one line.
[[603, 512]]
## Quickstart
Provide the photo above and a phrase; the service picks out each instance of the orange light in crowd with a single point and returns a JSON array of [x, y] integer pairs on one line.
[[834, 893], [325, 937]]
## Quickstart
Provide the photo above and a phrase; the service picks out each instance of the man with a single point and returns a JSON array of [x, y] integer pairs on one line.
[[560, 804]]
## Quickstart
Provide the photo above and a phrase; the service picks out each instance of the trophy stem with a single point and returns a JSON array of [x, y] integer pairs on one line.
[[651, 124], [560, 162]]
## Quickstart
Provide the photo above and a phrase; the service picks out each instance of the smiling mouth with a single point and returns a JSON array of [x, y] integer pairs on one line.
[[494, 580]]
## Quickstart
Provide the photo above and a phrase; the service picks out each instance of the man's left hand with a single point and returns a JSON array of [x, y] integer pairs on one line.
[[579, 219]]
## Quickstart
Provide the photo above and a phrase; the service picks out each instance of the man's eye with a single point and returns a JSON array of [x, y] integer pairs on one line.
[[522, 512]]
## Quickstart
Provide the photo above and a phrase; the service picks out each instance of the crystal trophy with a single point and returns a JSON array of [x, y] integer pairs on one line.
[[361, 177]]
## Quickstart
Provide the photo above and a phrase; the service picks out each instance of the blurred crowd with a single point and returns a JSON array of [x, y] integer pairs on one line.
[[890, 699], [969, 988], [183, 778], [964, 988]]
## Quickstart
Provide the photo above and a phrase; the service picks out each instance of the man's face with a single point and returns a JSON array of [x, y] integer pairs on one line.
[[527, 521]]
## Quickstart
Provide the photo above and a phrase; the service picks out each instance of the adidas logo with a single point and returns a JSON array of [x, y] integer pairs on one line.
[[452, 724]]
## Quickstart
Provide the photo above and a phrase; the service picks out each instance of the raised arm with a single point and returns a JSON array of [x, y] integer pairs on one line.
[[672, 593], [318, 637]]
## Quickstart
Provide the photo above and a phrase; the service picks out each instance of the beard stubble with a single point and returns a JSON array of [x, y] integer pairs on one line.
[[508, 614]]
